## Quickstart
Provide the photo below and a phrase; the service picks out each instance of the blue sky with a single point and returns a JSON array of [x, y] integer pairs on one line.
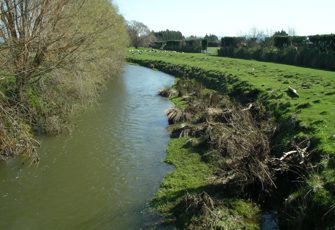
[[232, 17]]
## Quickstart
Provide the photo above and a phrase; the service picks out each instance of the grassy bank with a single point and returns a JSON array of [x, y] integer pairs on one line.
[[304, 196], [191, 177], [44, 83], [313, 109]]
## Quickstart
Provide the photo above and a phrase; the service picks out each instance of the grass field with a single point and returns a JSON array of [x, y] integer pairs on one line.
[[213, 50], [309, 201], [314, 108]]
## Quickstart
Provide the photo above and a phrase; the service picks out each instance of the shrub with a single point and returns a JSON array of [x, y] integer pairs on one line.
[[324, 43], [231, 41], [52, 97], [204, 44], [213, 44], [194, 45], [298, 40], [314, 51], [281, 41], [157, 45], [174, 45]]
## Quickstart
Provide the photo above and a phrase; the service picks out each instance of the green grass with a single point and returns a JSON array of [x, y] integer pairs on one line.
[[190, 175], [193, 176], [313, 200], [315, 107], [213, 50], [178, 102], [238, 214]]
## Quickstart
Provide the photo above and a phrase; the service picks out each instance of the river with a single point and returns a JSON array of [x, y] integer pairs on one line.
[[104, 173]]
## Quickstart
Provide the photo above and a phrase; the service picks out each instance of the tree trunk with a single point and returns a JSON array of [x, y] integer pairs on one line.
[[19, 89]]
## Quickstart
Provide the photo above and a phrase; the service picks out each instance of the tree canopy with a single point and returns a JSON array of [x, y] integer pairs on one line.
[[139, 34], [168, 35]]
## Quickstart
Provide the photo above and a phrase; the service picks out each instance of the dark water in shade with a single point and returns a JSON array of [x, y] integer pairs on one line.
[[102, 175]]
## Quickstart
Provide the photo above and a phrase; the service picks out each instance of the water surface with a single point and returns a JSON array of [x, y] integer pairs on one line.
[[102, 175]]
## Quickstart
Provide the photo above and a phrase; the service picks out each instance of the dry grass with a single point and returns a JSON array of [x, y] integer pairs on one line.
[[15, 136], [239, 135]]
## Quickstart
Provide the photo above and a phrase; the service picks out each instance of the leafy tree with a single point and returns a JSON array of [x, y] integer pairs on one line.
[[281, 41], [139, 34], [232, 42], [211, 38], [280, 33], [192, 37], [168, 35]]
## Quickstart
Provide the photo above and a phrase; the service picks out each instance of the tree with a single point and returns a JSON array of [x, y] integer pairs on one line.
[[280, 33], [211, 38], [192, 37], [54, 56], [169, 35], [139, 34], [35, 39]]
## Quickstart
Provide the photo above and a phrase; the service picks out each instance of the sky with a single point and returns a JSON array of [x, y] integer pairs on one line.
[[232, 17]]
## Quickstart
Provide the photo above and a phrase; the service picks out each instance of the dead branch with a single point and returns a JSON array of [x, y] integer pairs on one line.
[[287, 155]]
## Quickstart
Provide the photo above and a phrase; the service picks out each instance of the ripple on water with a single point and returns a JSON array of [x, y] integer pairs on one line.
[[103, 175]]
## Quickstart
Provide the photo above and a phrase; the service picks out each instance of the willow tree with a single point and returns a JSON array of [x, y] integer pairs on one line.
[[139, 34], [35, 39], [54, 55]]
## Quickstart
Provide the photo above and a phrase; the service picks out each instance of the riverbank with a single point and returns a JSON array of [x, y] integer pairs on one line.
[[190, 198], [303, 128], [105, 168], [58, 73]]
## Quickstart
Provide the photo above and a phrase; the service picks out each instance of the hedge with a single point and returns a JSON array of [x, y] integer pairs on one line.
[[232, 41], [157, 45], [191, 46], [281, 41], [316, 51], [174, 45], [213, 44]]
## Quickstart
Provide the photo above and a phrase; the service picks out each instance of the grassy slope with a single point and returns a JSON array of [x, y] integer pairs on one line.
[[193, 176], [315, 107]]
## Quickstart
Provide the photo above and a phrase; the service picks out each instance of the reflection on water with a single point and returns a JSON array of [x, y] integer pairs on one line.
[[103, 175]]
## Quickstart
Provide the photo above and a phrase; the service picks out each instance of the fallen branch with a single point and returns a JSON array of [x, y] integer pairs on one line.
[[248, 108], [287, 154]]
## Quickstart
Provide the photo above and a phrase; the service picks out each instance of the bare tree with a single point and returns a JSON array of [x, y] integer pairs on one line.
[[139, 34], [54, 56], [35, 39], [256, 34]]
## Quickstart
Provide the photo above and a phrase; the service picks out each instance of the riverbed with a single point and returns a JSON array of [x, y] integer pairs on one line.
[[103, 174]]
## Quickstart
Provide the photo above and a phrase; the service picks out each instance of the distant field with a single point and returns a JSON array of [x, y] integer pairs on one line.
[[213, 50], [315, 107]]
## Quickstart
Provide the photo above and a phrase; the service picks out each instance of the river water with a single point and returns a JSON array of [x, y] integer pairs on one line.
[[103, 175]]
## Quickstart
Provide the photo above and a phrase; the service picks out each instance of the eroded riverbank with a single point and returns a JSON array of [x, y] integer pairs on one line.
[[221, 151]]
